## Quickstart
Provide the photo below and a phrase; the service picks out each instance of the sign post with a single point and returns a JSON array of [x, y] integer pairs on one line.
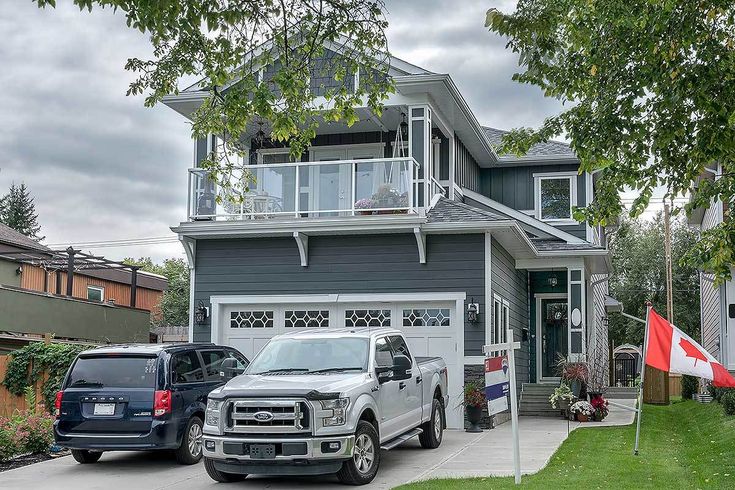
[[492, 374]]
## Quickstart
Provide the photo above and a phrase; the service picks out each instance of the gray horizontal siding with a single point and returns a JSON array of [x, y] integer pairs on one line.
[[343, 264], [511, 284]]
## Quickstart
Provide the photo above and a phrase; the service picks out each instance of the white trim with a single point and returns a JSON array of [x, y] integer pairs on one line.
[[572, 178], [421, 244], [474, 360], [352, 146], [302, 242], [488, 286], [588, 195], [537, 298], [271, 151], [549, 263], [101, 289]]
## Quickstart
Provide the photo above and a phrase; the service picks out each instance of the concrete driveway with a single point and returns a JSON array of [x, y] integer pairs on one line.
[[460, 455]]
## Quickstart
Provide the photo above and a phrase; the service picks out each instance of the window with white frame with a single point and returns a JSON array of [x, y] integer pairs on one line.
[[95, 293], [274, 155], [556, 194], [500, 320]]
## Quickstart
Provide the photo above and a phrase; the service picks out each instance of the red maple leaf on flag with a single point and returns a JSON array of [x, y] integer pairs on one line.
[[692, 351]]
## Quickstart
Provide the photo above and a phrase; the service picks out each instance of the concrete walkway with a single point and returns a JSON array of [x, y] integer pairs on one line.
[[460, 455]]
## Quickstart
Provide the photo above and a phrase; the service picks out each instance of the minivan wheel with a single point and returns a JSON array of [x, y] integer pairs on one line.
[[86, 457], [363, 466], [221, 476], [433, 429], [190, 450]]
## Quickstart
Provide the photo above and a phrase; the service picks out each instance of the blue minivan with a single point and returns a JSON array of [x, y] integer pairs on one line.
[[139, 397]]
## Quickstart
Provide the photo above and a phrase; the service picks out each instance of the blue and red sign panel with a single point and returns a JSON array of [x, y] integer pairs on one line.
[[497, 384]]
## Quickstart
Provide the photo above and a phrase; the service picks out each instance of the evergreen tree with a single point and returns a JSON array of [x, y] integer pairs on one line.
[[18, 211]]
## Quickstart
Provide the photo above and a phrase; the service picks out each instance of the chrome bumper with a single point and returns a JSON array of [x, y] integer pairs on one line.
[[214, 447]]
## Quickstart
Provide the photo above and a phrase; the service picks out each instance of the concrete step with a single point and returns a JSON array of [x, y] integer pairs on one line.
[[540, 413]]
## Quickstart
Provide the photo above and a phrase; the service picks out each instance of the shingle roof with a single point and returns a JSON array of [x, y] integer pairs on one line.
[[549, 148], [446, 211], [551, 245], [9, 236]]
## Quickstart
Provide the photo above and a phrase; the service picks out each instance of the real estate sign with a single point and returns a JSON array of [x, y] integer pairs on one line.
[[497, 380]]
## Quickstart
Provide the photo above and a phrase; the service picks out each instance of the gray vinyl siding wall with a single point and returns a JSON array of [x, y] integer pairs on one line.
[[513, 186], [511, 284], [711, 297], [344, 264], [467, 171]]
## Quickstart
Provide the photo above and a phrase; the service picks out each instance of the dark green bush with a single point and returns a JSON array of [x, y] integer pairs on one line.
[[728, 402], [689, 386]]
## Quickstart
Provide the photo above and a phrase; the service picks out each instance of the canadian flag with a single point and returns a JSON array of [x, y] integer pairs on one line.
[[670, 349]]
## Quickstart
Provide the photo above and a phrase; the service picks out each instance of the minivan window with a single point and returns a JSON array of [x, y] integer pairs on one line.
[[115, 372], [212, 362], [185, 368]]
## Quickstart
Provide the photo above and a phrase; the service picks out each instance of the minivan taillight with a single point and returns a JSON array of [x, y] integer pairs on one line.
[[161, 403], [57, 403]]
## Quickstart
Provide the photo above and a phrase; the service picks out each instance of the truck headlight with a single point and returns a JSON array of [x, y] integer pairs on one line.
[[338, 406], [213, 411]]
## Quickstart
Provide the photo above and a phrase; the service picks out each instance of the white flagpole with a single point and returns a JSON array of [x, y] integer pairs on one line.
[[643, 372]]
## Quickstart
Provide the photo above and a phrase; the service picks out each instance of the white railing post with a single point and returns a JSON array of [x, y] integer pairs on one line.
[[297, 191], [353, 185], [189, 213]]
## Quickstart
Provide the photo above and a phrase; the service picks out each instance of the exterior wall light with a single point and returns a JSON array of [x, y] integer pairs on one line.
[[553, 281], [473, 310], [201, 313]]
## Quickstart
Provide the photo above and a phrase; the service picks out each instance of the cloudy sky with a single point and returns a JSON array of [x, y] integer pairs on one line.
[[102, 167]]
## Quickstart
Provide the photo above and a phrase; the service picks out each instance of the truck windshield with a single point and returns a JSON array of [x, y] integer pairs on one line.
[[303, 356]]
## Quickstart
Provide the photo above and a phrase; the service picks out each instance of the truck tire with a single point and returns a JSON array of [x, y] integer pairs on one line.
[[433, 429], [86, 457], [362, 467], [221, 476], [190, 450]]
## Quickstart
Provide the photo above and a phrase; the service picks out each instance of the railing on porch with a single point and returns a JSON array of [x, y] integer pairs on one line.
[[308, 189]]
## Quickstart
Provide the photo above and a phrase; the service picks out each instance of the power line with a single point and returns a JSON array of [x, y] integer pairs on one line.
[[128, 242]]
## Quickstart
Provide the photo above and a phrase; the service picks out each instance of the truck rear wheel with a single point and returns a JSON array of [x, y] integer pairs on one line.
[[221, 476], [362, 467], [433, 430]]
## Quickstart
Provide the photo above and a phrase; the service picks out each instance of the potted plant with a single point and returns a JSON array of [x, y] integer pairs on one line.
[[576, 375], [474, 401], [388, 197], [582, 410], [562, 398], [601, 409], [365, 206]]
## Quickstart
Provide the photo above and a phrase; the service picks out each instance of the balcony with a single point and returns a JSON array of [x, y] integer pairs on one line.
[[337, 188]]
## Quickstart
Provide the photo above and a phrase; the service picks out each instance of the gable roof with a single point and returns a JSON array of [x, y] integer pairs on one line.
[[446, 211], [547, 149], [9, 236]]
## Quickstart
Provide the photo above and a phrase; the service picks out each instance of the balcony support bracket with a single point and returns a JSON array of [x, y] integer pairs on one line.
[[302, 241], [421, 242]]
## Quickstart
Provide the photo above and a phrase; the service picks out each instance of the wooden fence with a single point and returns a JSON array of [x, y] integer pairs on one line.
[[674, 384], [9, 403]]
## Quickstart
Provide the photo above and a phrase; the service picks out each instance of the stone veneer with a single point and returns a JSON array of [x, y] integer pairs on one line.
[[476, 373]]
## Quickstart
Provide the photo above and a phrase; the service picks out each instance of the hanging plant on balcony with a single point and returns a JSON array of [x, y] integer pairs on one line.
[[387, 197]]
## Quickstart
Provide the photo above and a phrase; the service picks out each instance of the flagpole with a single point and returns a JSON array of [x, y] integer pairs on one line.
[[643, 373]]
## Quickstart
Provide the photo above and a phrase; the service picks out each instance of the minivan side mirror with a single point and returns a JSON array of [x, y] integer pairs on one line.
[[401, 367], [228, 369]]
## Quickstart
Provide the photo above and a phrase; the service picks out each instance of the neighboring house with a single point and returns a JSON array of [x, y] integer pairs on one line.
[[356, 235], [717, 304], [37, 298]]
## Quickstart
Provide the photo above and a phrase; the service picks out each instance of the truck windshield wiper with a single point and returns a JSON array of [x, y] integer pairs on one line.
[[336, 369], [284, 370]]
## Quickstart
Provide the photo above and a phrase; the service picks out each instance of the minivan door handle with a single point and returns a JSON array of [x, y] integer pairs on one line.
[[401, 385]]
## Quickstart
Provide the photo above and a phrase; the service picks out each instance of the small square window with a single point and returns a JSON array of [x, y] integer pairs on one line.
[[95, 293]]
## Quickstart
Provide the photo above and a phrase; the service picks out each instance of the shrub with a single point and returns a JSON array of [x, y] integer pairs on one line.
[[689, 386], [713, 391], [8, 440], [728, 402], [27, 431], [474, 395]]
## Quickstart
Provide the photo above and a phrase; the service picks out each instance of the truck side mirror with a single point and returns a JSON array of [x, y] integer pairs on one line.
[[228, 369], [401, 367]]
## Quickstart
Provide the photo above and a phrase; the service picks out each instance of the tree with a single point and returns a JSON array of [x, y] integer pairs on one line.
[[229, 44], [640, 275], [18, 211], [652, 99], [174, 306]]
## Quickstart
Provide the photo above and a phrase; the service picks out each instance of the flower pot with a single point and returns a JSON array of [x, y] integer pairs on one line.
[[474, 416], [582, 417], [564, 408]]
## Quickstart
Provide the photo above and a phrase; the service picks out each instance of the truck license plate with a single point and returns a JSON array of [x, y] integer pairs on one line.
[[263, 451], [104, 409]]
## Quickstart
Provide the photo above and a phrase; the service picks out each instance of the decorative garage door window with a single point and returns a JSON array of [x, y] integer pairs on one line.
[[367, 318], [251, 319], [306, 318], [426, 317]]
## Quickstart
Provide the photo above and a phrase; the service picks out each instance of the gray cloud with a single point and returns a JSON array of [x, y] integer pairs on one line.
[[103, 167]]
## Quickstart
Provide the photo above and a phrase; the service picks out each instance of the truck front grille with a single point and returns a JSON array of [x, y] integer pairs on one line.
[[267, 416]]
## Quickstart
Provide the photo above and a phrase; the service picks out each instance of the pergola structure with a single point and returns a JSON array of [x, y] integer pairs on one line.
[[71, 261]]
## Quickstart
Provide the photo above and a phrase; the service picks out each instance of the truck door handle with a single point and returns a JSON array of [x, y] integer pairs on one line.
[[418, 380], [401, 385]]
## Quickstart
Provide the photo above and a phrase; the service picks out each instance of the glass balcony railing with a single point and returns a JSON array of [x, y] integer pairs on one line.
[[308, 190]]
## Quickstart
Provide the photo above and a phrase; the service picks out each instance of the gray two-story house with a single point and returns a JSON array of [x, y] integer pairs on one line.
[[411, 220]]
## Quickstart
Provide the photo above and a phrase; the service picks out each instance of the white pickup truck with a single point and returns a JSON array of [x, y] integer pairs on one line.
[[321, 402]]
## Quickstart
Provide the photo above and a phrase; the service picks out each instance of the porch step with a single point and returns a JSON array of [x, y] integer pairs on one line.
[[535, 400], [621, 393]]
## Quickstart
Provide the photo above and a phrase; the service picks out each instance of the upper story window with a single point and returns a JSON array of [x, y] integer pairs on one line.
[[95, 293], [556, 194]]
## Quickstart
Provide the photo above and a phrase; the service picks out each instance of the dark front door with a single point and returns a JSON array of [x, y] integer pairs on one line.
[[553, 339]]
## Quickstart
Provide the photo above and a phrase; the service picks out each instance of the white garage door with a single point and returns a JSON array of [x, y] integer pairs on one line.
[[432, 328]]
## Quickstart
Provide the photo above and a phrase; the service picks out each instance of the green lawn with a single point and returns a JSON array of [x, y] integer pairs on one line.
[[684, 445]]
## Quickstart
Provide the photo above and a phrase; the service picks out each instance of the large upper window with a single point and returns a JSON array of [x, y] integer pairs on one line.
[[555, 196]]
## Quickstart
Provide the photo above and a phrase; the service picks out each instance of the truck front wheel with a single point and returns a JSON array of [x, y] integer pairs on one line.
[[431, 437], [363, 466], [221, 476]]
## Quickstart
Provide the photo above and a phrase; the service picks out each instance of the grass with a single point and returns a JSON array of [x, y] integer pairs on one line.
[[683, 445]]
